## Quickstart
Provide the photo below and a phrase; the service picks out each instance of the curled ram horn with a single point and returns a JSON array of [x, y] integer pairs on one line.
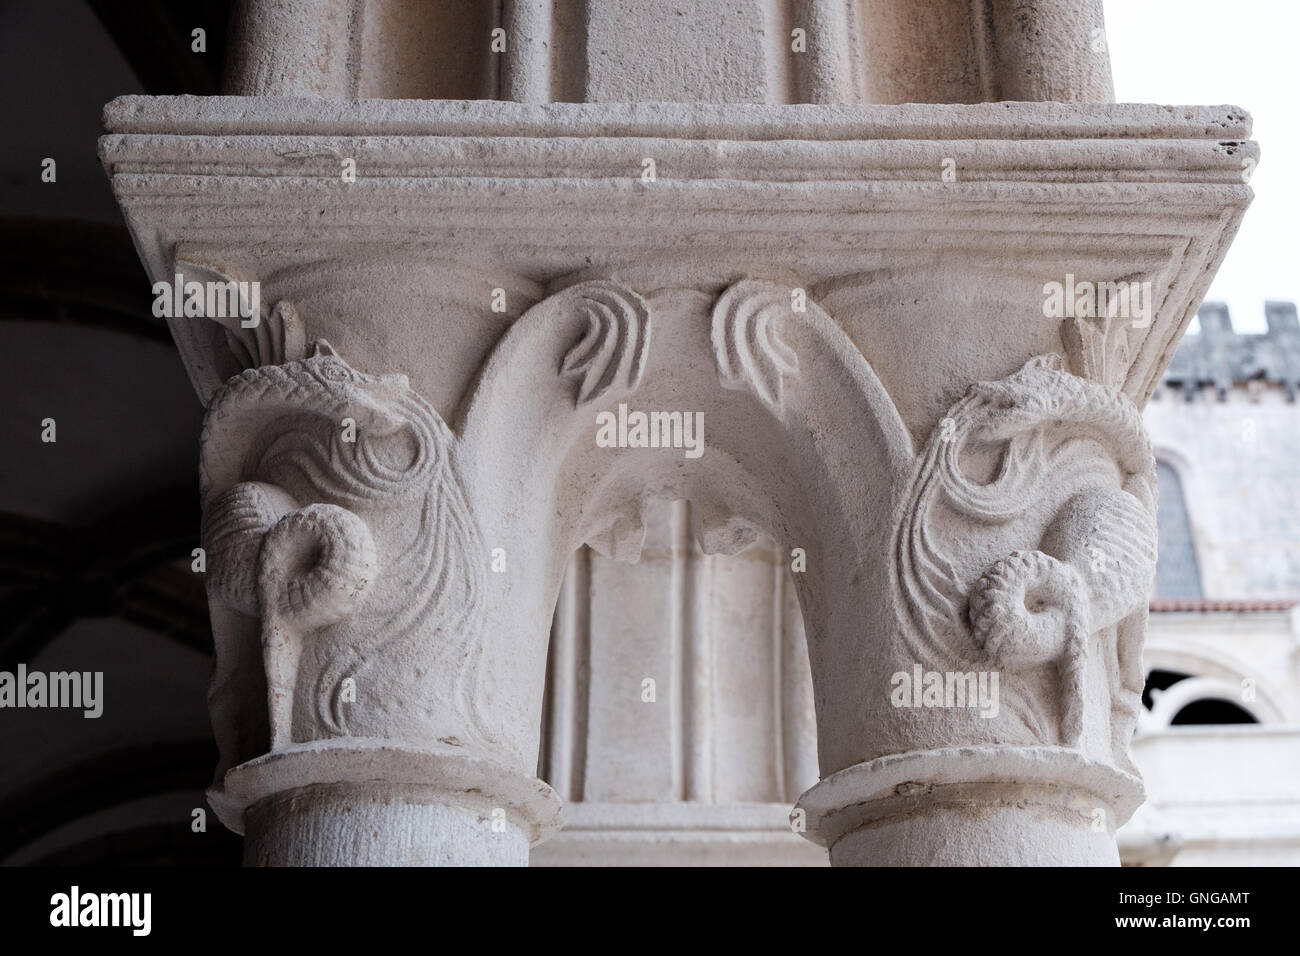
[[1029, 610], [234, 526], [1026, 609], [316, 563], [312, 563]]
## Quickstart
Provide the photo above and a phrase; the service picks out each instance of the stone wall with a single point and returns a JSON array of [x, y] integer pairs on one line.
[[1227, 422]]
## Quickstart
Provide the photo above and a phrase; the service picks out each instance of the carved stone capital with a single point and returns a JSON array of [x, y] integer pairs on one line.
[[388, 519]]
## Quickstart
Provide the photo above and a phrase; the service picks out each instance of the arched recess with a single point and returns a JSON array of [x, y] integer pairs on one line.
[[728, 718], [801, 443], [1212, 711], [128, 564], [68, 793]]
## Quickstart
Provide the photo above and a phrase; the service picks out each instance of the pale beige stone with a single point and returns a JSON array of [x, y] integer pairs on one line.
[[851, 296]]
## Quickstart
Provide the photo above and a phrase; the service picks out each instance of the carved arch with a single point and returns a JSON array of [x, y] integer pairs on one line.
[[803, 443]]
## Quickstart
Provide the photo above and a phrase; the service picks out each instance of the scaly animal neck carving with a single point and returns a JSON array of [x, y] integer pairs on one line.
[[333, 513]]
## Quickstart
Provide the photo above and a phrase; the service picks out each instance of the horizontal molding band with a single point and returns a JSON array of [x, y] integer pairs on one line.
[[215, 115]]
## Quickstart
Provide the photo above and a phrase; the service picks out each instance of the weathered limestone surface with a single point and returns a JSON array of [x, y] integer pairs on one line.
[[404, 451]]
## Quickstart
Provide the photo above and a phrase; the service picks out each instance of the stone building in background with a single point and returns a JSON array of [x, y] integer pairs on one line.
[[1219, 743]]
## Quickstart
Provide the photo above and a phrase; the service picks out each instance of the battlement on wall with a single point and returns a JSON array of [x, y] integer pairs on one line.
[[1222, 359]]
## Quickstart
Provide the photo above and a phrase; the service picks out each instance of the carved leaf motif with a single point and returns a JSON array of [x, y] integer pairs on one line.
[[1100, 349], [612, 353], [746, 347], [277, 339], [278, 336]]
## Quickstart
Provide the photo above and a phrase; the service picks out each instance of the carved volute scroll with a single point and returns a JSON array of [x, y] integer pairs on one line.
[[611, 356]]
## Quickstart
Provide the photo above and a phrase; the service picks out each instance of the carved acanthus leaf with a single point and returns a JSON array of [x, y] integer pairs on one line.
[[277, 338]]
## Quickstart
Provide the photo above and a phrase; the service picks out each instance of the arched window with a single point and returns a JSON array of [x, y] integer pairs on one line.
[[1212, 710], [1177, 573], [1175, 699]]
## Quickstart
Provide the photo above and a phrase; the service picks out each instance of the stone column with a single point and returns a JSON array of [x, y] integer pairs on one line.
[[304, 48], [745, 51]]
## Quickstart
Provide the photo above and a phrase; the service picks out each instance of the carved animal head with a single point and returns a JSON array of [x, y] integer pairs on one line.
[[380, 432], [1021, 400], [370, 399], [1041, 393]]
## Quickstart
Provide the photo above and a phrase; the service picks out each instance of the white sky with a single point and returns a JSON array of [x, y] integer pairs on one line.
[[1243, 53]]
